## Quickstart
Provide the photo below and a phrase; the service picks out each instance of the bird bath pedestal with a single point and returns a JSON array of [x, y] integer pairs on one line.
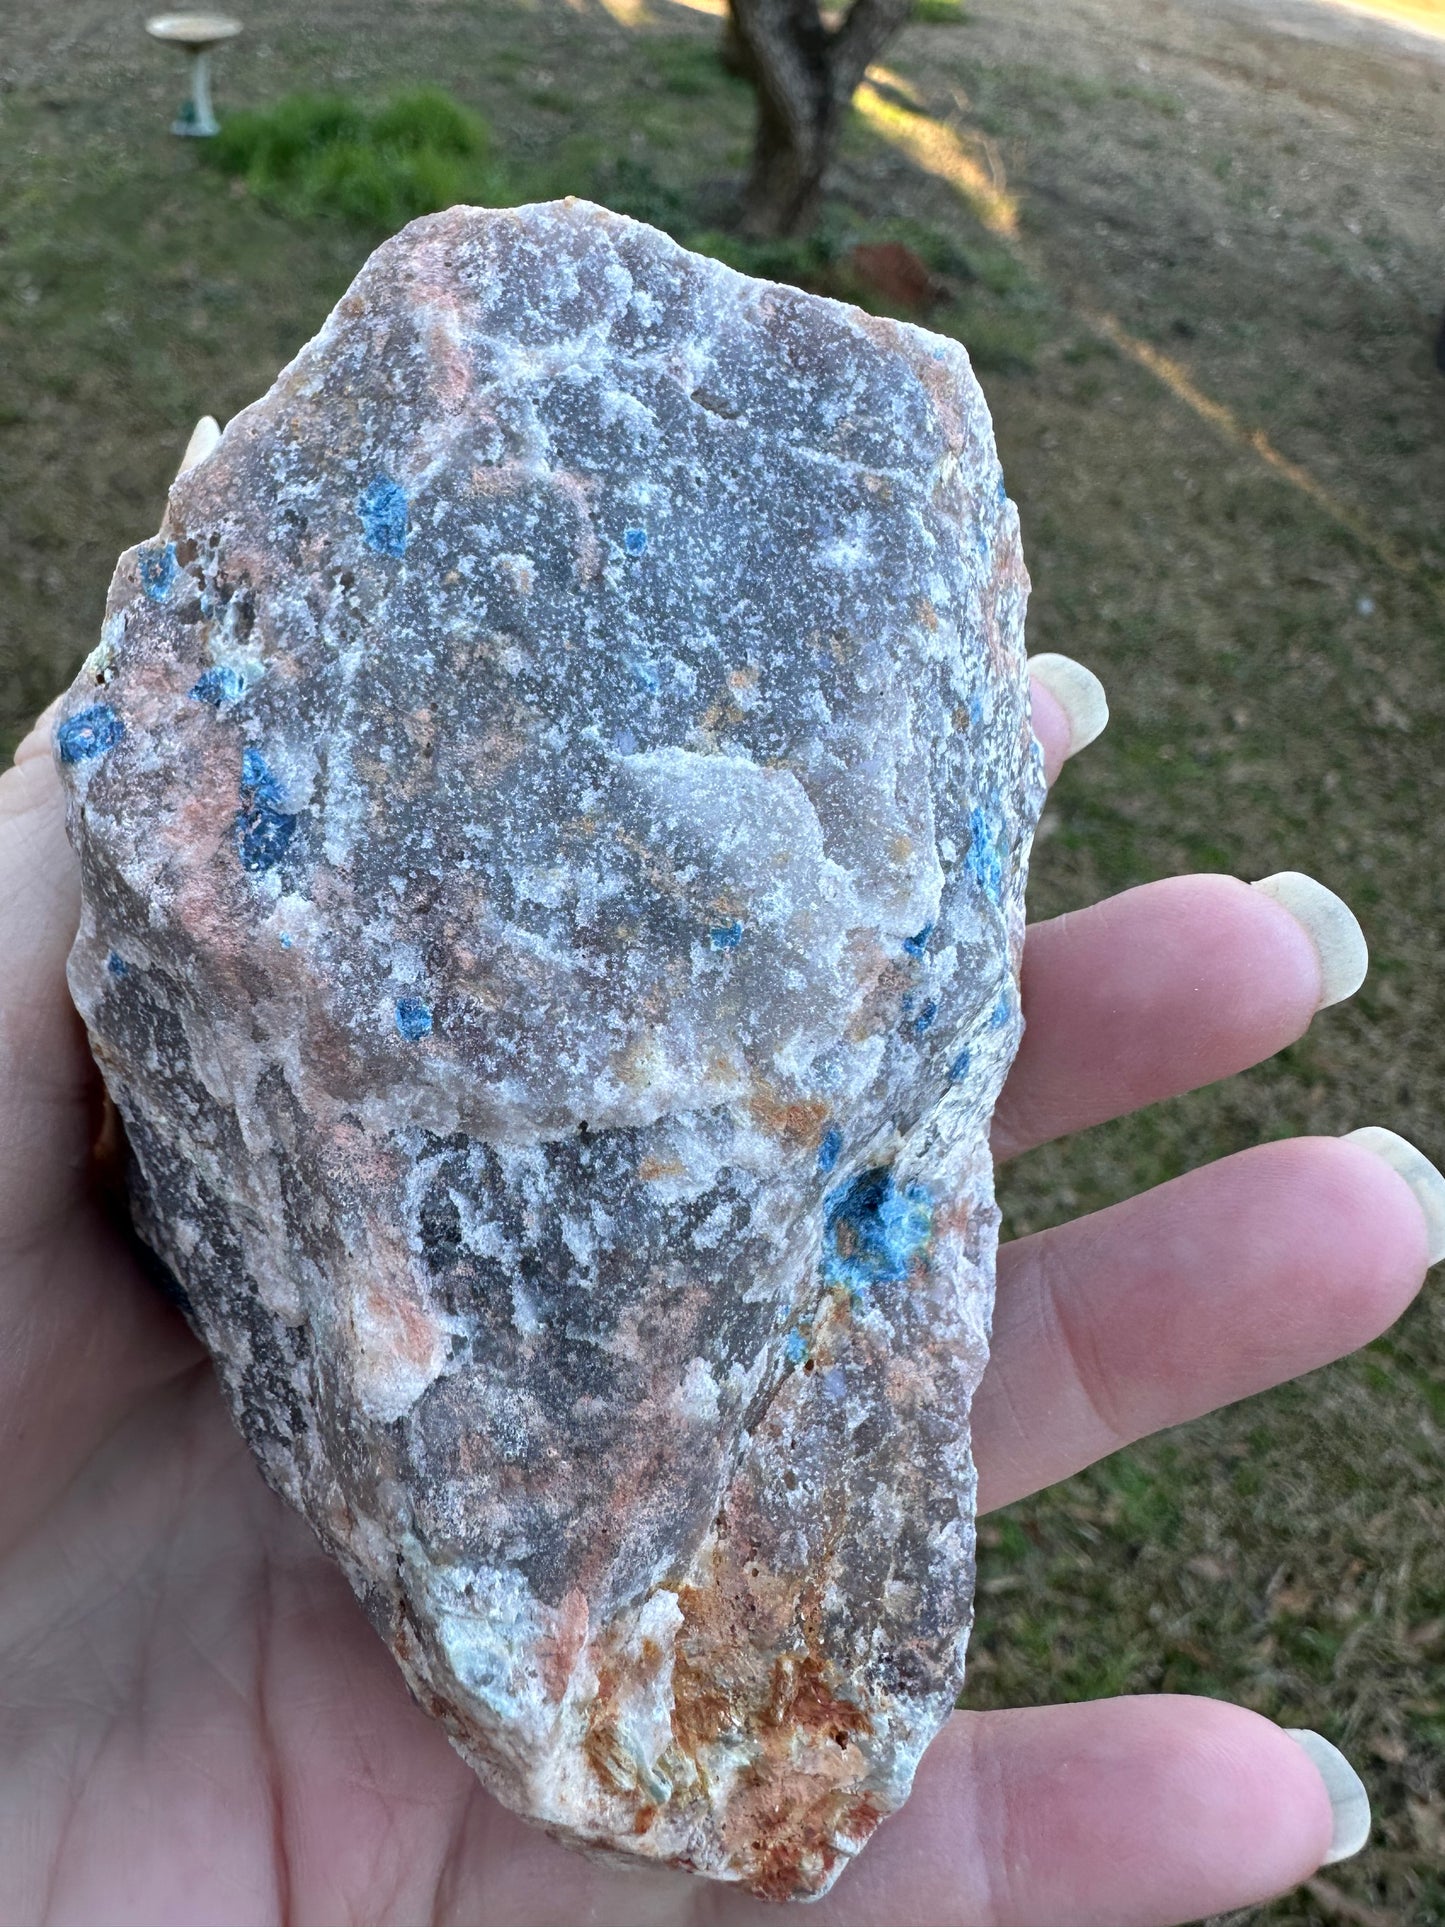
[[195, 34]]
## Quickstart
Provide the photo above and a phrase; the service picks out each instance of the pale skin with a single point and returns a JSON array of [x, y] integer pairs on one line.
[[198, 1726]]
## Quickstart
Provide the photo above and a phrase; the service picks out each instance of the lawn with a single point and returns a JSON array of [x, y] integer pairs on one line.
[[1198, 262]]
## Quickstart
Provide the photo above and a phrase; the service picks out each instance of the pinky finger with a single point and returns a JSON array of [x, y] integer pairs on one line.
[[1122, 1813]]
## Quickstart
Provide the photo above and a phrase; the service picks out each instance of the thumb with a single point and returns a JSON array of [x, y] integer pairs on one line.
[[45, 1069]]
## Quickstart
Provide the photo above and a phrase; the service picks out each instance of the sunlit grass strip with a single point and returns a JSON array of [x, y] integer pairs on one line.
[[627, 13], [1425, 16], [905, 123], [936, 149], [1183, 387]]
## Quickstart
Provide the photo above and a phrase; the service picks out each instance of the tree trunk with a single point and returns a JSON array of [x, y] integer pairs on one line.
[[785, 181], [805, 74]]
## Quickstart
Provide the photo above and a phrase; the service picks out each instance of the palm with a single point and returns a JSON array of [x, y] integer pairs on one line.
[[197, 1724], [219, 1721]]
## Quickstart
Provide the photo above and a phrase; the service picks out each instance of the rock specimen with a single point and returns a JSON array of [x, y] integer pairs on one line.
[[553, 803]]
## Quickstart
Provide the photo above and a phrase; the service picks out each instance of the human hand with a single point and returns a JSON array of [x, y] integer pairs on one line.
[[196, 1723]]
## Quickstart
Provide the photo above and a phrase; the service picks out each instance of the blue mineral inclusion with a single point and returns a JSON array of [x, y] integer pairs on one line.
[[830, 1149], [157, 569], [264, 836], [89, 733], [924, 1020], [263, 829], [982, 862], [959, 1067], [116, 964], [413, 1018], [727, 936], [382, 508], [794, 1350], [1002, 1010], [217, 686], [256, 777], [872, 1232], [915, 946], [1002, 492], [634, 541]]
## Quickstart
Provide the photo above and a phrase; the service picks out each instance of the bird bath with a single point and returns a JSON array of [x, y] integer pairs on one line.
[[195, 34]]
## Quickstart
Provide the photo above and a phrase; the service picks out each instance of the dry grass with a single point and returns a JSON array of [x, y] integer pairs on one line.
[[1210, 312]]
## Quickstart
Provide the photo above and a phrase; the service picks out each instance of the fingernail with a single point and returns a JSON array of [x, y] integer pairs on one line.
[[1349, 1801], [1329, 923], [1418, 1172], [1078, 692], [204, 436]]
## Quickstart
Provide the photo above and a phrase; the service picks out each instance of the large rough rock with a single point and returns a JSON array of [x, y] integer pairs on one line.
[[553, 802]]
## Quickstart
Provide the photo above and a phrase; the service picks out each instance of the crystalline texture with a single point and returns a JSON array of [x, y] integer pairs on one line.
[[553, 803]]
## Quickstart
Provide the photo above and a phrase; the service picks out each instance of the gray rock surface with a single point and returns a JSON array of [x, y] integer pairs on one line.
[[553, 802]]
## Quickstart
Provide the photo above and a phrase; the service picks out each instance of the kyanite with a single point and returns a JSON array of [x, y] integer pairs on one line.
[[553, 803]]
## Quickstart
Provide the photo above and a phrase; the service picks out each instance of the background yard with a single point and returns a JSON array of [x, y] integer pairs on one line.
[[1199, 254]]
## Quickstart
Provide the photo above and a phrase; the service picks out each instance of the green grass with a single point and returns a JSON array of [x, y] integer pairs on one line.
[[1288, 1552], [315, 156], [380, 167]]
